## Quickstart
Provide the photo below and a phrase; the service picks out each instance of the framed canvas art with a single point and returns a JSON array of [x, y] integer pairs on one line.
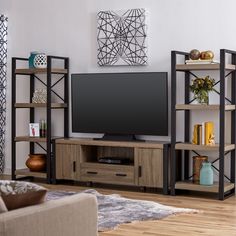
[[122, 37]]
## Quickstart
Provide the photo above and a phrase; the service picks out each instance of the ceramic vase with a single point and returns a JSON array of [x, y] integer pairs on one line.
[[40, 60], [31, 59], [206, 174], [36, 162]]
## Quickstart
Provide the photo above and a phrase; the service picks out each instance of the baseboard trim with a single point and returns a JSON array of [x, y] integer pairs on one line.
[[7, 171]]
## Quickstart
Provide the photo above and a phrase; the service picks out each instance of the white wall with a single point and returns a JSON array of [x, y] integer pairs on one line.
[[68, 28]]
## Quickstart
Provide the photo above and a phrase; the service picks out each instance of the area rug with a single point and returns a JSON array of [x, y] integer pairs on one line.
[[114, 210]]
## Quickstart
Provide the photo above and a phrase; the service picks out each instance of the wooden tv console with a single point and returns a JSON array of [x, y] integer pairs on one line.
[[77, 159]]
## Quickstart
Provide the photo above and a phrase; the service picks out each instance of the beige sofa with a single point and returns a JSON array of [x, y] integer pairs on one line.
[[74, 215]]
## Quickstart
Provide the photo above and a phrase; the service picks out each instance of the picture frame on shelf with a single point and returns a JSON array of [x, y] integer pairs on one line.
[[34, 130]]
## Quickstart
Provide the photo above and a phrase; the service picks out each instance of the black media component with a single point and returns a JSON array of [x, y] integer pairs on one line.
[[114, 160]]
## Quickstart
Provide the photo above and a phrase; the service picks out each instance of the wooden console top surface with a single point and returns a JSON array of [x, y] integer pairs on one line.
[[86, 141]]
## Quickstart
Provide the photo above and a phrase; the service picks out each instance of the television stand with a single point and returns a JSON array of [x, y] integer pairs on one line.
[[119, 137], [78, 159]]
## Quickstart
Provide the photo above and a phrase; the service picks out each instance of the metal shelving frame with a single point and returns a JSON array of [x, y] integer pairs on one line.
[[222, 68], [50, 141]]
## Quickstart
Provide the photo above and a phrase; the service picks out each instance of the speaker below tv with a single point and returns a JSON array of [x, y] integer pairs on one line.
[[120, 105]]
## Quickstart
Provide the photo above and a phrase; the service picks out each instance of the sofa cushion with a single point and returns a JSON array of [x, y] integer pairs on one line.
[[3, 207], [17, 194]]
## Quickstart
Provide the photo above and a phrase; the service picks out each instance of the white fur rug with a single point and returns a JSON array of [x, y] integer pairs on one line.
[[114, 210]]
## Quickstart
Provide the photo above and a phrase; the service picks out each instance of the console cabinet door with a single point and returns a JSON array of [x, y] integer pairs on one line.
[[150, 167], [67, 156]]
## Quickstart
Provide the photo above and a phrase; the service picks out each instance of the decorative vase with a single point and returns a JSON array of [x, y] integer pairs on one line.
[[36, 162], [31, 59], [39, 96], [206, 174], [202, 97], [197, 164], [40, 60]]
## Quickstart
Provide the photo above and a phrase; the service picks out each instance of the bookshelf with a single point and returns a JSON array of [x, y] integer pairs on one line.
[[31, 75], [225, 186]]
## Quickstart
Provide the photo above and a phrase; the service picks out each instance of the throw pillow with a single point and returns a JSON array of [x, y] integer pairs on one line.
[[17, 194], [3, 207]]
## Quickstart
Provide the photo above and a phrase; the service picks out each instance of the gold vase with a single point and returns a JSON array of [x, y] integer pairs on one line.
[[36, 162], [197, 164]]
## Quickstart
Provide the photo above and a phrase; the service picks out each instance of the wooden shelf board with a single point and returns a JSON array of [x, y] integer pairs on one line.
[[34, 105], [203, 107], [27, 172], [92, 142], [190, 146], [31, 139], [188, 67], [30, 71], [189, 185]]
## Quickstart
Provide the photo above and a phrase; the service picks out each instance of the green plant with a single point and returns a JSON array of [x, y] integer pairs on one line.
[[201, 87]]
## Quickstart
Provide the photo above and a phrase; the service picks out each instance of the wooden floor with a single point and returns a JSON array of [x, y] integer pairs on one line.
[[215, 217]]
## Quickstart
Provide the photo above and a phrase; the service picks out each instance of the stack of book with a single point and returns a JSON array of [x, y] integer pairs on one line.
[[203, 134], [191, 62]]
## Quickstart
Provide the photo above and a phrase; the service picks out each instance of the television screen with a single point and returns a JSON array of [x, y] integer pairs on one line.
[[120, 103]]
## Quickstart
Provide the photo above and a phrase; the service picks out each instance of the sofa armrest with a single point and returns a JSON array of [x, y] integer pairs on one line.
[[74, 215]]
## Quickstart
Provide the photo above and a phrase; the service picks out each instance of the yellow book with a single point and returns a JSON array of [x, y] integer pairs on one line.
[[196, 134], [209, 132], [199, 140]]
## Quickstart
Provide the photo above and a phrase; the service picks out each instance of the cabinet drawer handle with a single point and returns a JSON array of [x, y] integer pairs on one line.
[[74, 166], [140, 171], [119, 174], [92, 172]]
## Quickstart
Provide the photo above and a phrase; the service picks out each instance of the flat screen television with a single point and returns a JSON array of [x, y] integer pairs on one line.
[[120, 103]]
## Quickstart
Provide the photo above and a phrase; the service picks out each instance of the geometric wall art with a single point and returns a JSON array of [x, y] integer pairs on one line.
[[122, 37], [3, 83]]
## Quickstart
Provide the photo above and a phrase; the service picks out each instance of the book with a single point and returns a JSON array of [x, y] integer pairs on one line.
[[197, 134], [194, 141], [203, 134], [201, 62]]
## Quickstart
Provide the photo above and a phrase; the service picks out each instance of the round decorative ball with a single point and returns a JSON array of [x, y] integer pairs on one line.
[[36, 162], [195, 54], [207, 55], [40, 61]]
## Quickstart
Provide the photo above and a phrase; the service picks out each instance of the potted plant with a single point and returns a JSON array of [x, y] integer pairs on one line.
[[201, 88]]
